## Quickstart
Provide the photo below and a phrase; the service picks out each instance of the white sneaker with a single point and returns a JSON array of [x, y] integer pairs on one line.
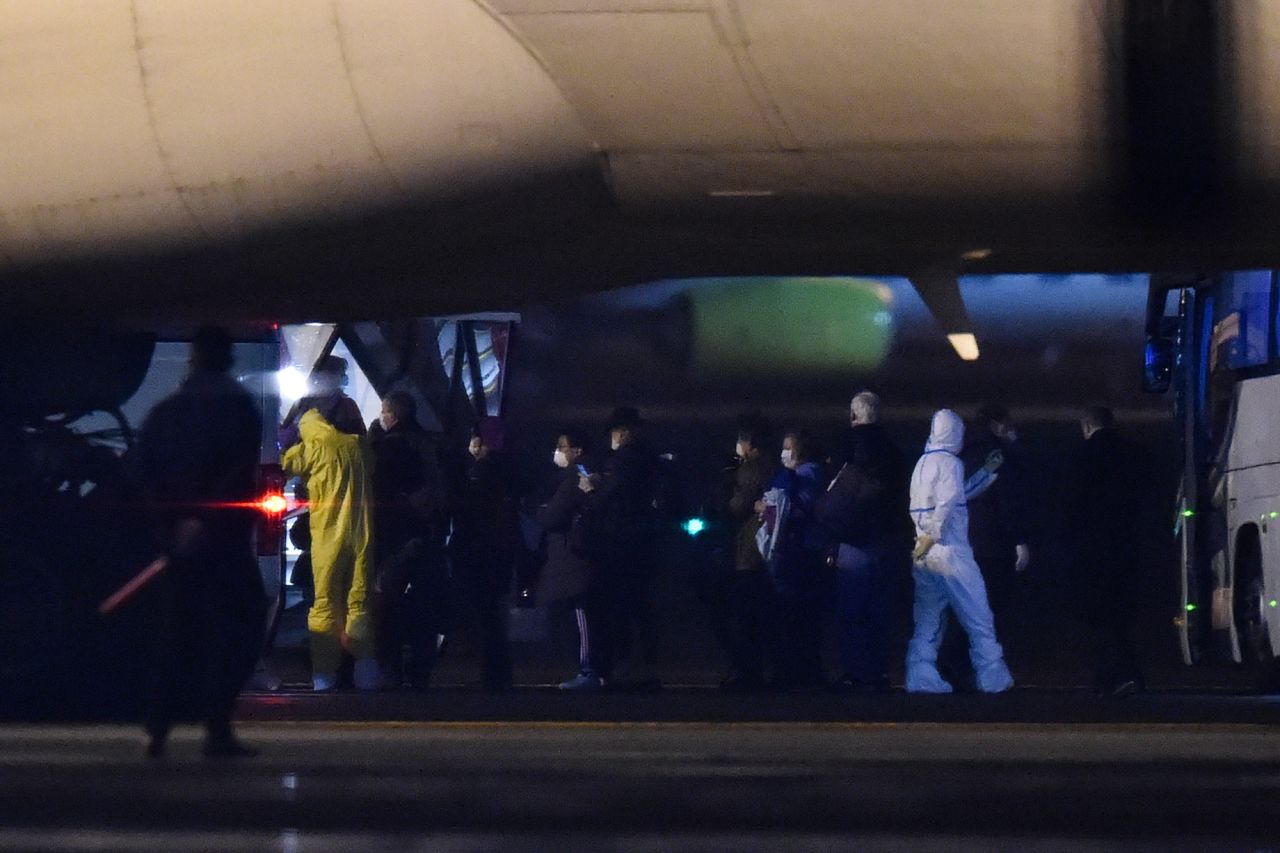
[[324, 681]]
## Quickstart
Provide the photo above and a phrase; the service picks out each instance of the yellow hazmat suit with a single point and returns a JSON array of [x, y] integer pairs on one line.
[[337, 472]]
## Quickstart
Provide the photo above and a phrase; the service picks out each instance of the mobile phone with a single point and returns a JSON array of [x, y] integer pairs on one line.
[[582, 470]]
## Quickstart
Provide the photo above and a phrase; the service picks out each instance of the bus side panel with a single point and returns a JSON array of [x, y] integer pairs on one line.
[[1253, 436], [1253, 460]]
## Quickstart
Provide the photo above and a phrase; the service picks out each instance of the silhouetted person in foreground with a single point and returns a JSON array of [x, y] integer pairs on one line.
[[198, 455]]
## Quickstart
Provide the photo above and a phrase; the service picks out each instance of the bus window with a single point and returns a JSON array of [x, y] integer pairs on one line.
[[1242, 318]]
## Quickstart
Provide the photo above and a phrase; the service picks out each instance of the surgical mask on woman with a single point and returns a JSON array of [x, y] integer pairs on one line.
[[787, 457], [614, 444], [560, 458], [740, 450]]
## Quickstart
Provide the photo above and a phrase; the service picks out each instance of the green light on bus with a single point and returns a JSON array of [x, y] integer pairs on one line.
[[1275, 515], [1187, 513], [1191, 608], [1272, 602]]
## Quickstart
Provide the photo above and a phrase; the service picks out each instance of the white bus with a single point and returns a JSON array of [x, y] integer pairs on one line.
[[1212, 341]]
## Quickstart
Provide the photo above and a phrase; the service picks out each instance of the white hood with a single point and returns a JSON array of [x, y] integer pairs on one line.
[[946, 432]]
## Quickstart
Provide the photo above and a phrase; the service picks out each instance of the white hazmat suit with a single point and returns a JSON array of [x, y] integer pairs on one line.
[[946, 575]]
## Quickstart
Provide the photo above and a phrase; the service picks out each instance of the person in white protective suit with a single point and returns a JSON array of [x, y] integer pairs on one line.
[[945, 572]]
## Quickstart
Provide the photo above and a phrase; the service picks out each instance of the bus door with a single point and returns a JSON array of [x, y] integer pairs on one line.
[[1179, 331]]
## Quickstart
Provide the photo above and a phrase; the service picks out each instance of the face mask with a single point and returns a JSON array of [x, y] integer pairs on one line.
[[787, 457], [387, 421], [740, 450], [474, 450], [614, 444], [561, 459], [1011, 435]]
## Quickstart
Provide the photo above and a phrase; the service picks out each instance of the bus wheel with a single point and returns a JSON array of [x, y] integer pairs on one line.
[[1251, 614]]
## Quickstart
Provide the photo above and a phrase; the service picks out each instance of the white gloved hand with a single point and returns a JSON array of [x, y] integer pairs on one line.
[[1024, 558], [923, 544]]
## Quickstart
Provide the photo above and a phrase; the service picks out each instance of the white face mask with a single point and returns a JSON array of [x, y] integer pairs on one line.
[[787, 458], [614, 444], [387, 420], [475, 450], [740, 450], [560, 458]]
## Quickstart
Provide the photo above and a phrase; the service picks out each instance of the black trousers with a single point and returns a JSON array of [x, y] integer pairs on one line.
[[486, 581], [755, 633], [409, 609], [628, 583], [210, 638]]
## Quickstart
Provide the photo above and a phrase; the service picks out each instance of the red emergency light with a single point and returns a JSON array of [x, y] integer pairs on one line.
[[272, 504]]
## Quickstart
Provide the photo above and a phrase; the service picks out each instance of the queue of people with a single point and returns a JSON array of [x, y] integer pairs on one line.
[[399, 528], [818, 538]]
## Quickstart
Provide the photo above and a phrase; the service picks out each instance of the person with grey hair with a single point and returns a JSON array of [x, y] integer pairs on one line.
[[1103, 494], [862, 509], [864, 408]]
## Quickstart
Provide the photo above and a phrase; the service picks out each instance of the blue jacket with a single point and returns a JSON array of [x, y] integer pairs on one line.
[[797, 557]]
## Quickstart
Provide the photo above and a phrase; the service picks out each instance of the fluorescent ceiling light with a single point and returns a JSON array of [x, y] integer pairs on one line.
[[965, 345]]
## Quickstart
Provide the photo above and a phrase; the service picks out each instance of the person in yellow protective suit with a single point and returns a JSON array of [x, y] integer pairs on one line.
[[337, 472]]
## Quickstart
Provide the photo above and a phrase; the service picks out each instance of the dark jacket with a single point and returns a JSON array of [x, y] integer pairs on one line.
[[198, 454], [750, 480], [485, 514], [881, 516], [1103, 497], [336, 408], [408, 487], [623, 502], [997, 517], [852, 509], [566, 571]]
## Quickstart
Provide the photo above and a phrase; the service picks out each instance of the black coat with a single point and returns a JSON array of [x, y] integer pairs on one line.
[[198, 454], [750, 480], [1104, 497], [566, 571], [882, 518], [486, 529], [997, 517], [622, 506], [408, 487]]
